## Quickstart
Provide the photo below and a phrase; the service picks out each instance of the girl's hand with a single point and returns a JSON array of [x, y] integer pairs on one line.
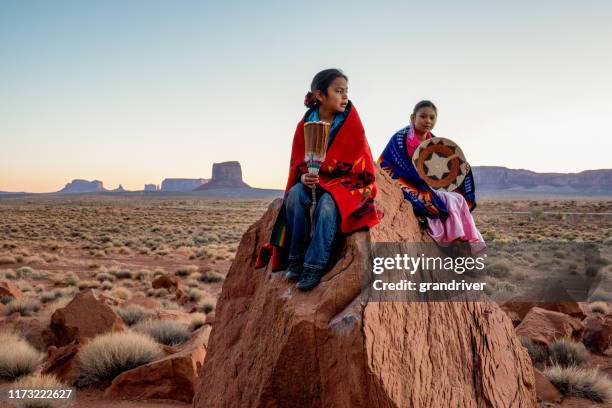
[[309, 180]]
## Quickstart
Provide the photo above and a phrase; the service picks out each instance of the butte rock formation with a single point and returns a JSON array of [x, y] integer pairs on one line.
[[225, 175], [273, 346]]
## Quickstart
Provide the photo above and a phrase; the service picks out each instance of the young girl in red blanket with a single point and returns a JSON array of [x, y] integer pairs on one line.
[[345, 186]]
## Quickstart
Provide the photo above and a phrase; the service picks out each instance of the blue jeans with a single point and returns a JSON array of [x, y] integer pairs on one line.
[[315, 254]]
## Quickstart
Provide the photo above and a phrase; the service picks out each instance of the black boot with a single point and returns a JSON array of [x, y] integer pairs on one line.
[[310, 278], [294, 271]]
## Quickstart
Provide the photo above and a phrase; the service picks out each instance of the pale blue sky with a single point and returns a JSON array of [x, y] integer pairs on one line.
[[134, 91]]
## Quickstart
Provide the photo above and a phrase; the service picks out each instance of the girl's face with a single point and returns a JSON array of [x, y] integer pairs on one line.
[[424, 120], [336, 98]]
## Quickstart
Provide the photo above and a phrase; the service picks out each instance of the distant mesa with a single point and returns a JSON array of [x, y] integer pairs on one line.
[[502, 179], [151, 188], [119, 189], [225, 175], [182, 185], [83, 186]]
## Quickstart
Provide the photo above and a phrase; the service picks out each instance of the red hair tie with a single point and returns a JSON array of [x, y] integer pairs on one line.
[[309, 100]]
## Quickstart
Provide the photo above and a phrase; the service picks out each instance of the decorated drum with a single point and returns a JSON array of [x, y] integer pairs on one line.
[[440, 163]]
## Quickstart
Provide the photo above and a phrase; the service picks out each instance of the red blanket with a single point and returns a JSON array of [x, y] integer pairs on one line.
[[347, 174]]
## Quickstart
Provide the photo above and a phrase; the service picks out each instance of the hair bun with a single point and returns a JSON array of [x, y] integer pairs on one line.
[[309, 100]]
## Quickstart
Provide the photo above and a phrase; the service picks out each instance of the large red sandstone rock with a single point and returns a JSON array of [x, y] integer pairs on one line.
[[598, 333], [172, 377], [83, 318], [9, 289], [165, 281], [544, 326], [521, 308], [62, 363], [273, 346], [545, 390]]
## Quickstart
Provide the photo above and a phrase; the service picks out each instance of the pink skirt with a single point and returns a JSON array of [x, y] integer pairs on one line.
[[458, 226]]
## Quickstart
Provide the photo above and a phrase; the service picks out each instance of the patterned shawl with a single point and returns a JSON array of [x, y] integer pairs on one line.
[[425, 202]]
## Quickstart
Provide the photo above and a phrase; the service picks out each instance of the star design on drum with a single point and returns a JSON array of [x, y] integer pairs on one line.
[[437, 166]]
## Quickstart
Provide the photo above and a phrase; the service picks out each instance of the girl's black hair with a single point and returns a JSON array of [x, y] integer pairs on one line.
[[321, 82], [424, 104]]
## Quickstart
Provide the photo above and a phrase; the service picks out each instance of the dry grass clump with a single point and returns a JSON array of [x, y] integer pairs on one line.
[[17, 356], [25, 272], [197, 320], [121, 293], [103, 276], [106, 285], [565, 352], [207, 305], [50, 296], [108, 355], [600, 307], [65, 279], [124, 274], [40, 382], [160, 292], [499, 269], [168, 332], [211, 277], [132, 314], [23, 306], [537, 352], [186, 270], [88, 284], [195, 295], [6, 259], [581, 382]]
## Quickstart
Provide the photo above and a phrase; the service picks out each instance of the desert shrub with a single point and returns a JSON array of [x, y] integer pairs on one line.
[[537, 352], [23, 306], [581, 382], [6, 299], [121, 293], [17, 356], [9, 274], [103, 276], [195, 295], [25, 272], [169, 305], [106, 285], [132, 314], [50, 296], [40, 275], [211, 277], [7, 259], [108, 355], [123, 274], [35, 260], [88, 284], [186, 270], [65, 279], [192, 283], [168, 332], [207, 305], [599, 307], [40, 382], [499, 269], [565, 352], [49, 257], [197, 320], [160, 292]]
